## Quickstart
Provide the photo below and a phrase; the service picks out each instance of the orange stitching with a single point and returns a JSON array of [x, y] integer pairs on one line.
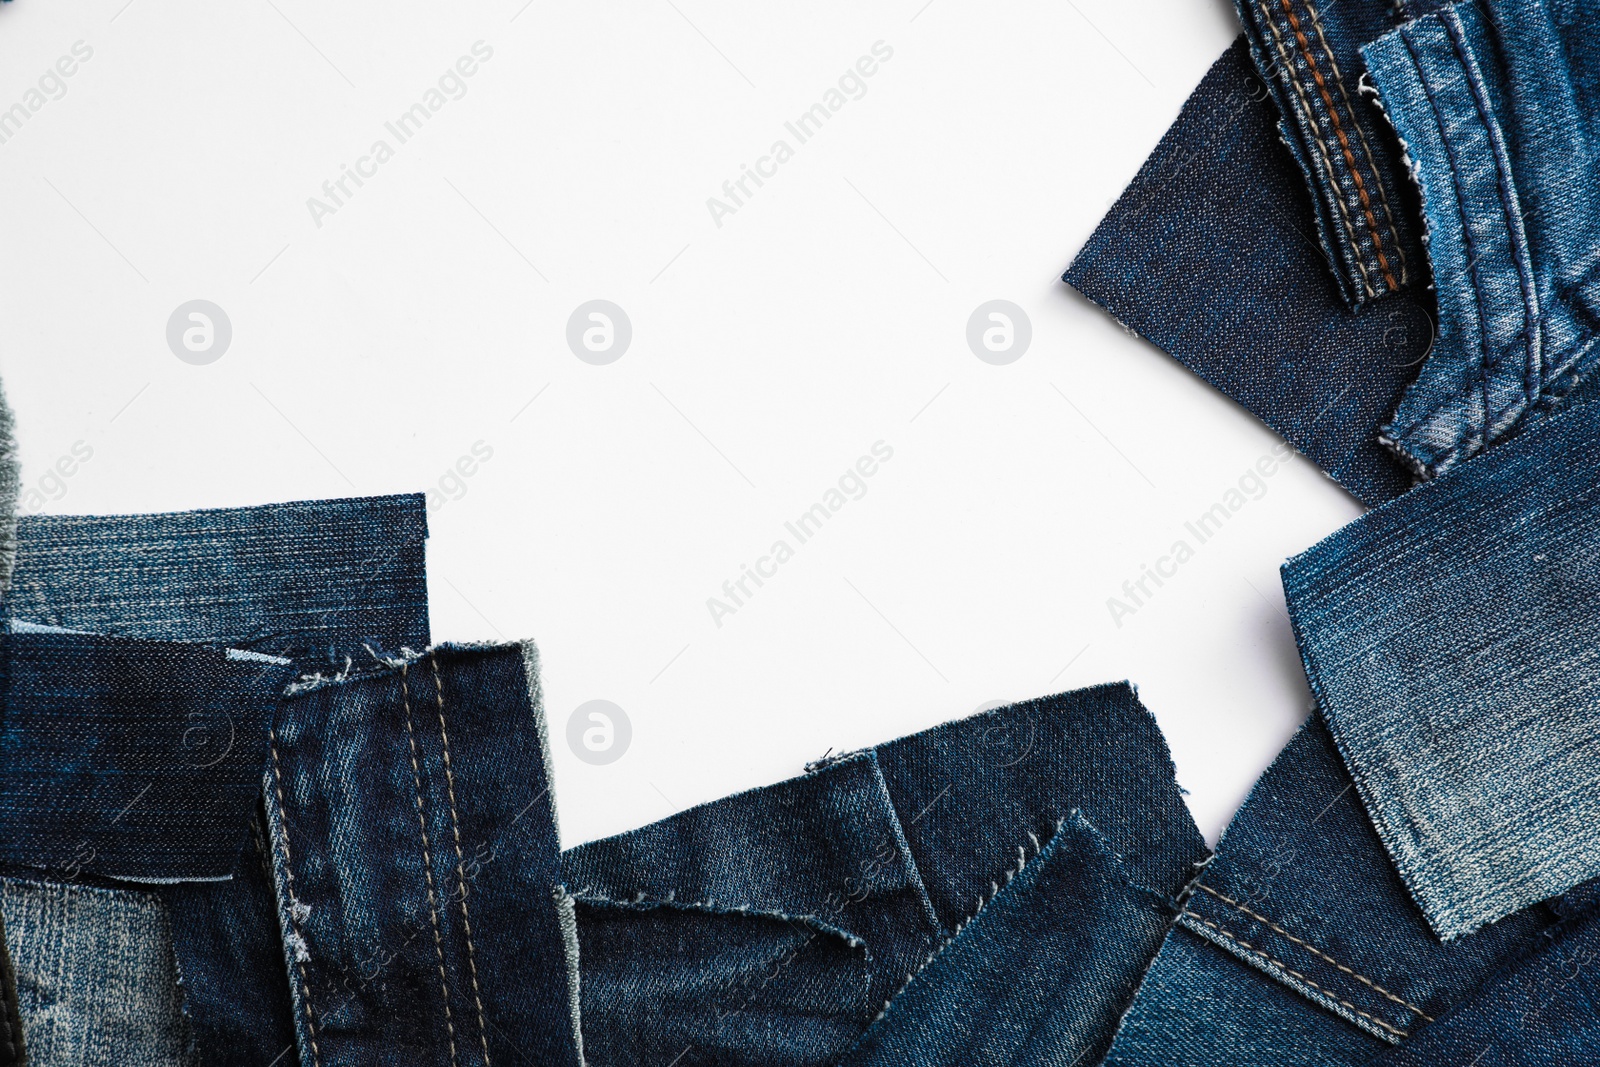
[[1297, 974], [1344, 141], [461, 862], [294, 904], [1321, 141], [427, 864], [1366, 145], [1317, 952]]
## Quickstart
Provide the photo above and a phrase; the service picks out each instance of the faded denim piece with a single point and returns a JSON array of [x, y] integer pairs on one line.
[[316, 580], [780, 925], [311, 581], [418, 868], [1308, 54], [89, 960], [1498, 103], [1449, 638], [1299, 945], [136, 760], [1210, 255]]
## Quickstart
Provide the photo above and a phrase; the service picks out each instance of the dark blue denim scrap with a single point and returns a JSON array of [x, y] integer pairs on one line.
[[1309, 55], [418, 868], [1450, 639], [1542, 1011], [130, 759], [318, 579], [313, 581], [1038, 975], [1300, 945], [774, 926], [1498, 102], [1210, 255]]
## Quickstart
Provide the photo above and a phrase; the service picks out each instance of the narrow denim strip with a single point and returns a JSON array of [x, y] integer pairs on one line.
[[418, 868], [1498, 103], [1308, 54], [1449, 638], [313, 581], [1210, 255]]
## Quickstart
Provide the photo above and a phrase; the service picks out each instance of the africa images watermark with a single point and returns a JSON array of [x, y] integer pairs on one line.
[[852, 85], [451, 85], [1251, 485], [51, 85], [852, 485]]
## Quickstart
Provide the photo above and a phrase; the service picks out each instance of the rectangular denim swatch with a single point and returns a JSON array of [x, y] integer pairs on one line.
[[132, 759], [776, 926], [1299, 945], [1498, 103], [1449, 637], [1211, 255], [314, 581], [418, 868]]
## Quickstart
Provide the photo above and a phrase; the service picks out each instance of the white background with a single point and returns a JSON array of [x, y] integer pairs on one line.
[[829, 312]]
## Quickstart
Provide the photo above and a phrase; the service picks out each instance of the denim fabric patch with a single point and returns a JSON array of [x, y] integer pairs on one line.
[[324, 580], [1039, 975], [1300, 942], [132, 759], [313, 581], [771, 927], [1498, 102], [1210, 255], [1449, 638], [417, 865]]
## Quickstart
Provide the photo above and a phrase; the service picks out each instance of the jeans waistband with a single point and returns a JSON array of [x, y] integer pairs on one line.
[[1308, 55]]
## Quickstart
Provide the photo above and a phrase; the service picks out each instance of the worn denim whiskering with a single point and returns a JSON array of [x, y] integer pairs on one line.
[[775, 926], [96, 969], [1498, 103]]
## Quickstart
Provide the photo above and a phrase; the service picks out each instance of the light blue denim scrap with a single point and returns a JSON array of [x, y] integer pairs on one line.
[[1498, 105], [1452, 640]]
